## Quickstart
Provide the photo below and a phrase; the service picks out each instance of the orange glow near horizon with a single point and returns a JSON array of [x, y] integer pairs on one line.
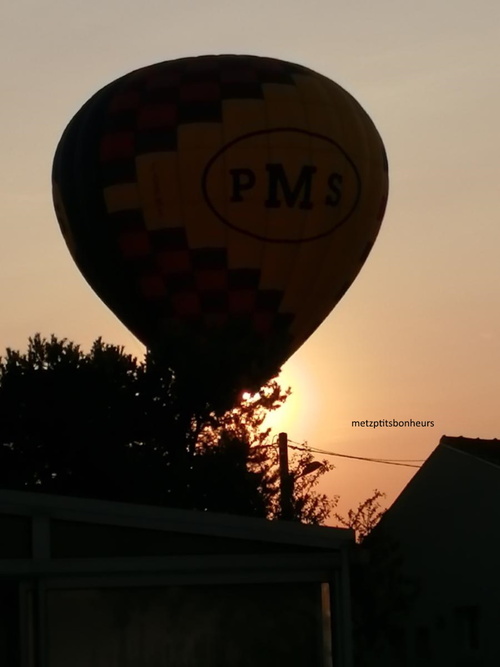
[[300, 408]]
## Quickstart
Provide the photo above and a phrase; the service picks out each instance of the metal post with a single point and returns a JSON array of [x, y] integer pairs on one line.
[[286, 480], [345, 595]]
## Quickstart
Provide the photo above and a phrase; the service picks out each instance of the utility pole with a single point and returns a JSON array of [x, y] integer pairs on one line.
[[286, 479]]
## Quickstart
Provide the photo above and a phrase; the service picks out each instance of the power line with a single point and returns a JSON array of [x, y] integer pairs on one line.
[[395, 462], [363, 458], [300, 446], [324, 451]]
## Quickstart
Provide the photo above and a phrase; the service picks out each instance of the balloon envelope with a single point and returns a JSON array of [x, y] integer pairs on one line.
[[221, 206]]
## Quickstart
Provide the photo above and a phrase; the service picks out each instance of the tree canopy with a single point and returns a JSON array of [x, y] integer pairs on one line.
[[102, 424]]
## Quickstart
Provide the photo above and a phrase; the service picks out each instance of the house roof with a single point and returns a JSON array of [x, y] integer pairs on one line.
[[485, 450], [176, 520]]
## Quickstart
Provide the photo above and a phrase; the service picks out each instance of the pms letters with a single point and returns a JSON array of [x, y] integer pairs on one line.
[[285, 191]]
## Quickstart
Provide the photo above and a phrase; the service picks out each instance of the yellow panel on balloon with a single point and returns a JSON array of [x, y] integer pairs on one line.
[[243, 252], [242, 117], [348, 121], [203, 230], [192, 165], [320, 120], [278, 265], [235, 186], [303, 272], [290, 176], [310, 89], [208, 136], [284, 107], [159, 189], [345, 253]]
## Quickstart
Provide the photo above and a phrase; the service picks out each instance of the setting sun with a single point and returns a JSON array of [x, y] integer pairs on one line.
[[300, 409]]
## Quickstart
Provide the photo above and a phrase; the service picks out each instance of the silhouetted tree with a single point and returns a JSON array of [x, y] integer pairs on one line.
[[102, 424], [365, 517], [381, 592]]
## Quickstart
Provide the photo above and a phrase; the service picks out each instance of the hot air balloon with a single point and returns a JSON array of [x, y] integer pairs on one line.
[[221, 206]]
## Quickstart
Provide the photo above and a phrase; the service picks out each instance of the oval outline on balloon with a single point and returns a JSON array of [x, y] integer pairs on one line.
[[267, 239]]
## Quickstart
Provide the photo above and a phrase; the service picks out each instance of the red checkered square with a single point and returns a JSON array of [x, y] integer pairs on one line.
[[125, 101], [175, 261], [204, 91], [211, 279], [117, 146], [242, 301], [262, 322], [134, 244], [152, 287], [239, 75], [157, 115], [215, 320], [164, 79], [186, 303]]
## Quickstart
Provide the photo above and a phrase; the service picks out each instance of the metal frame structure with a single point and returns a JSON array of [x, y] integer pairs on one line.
[[324, 559]]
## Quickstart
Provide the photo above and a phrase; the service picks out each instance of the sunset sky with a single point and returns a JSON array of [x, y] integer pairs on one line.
[[417, 335]]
